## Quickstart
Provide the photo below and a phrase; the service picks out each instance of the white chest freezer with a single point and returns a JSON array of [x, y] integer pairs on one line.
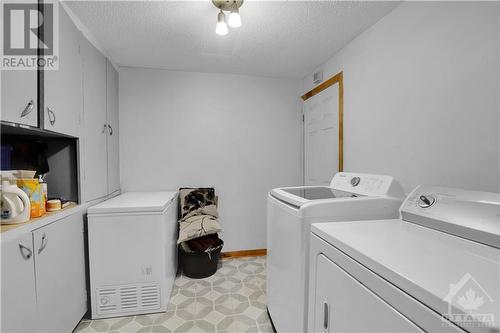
[[132, 253]]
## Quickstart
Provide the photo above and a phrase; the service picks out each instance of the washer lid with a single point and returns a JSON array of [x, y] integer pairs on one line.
[[344, 185], [454, 276], [318, 192], [134, 202], [300, 195]]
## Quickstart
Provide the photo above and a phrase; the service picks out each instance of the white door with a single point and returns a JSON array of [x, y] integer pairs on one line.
[[95, 122], [63, 87], [60, 274], [19, 97], [112, 114], [342, 304], [18, 298], [321, 136]]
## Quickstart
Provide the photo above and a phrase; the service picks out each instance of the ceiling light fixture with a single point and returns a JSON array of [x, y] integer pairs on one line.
[[234, 19]]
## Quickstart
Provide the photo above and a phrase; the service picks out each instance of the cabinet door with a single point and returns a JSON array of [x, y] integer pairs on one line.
[[19, 97], [60, 274], [63, 87], [342, 304], [18, 285], [112, 113], [95, 125]]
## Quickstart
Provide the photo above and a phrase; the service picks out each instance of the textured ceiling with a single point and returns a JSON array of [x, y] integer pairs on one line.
[[277, 38]]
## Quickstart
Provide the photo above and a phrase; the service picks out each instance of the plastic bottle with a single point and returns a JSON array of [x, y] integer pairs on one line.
[[44, 192], [15, 204]]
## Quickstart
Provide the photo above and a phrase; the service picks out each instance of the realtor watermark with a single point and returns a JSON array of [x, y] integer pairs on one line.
[[470, 305], [30, 35]]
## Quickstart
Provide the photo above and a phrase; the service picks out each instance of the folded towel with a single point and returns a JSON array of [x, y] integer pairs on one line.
[[197, 226]]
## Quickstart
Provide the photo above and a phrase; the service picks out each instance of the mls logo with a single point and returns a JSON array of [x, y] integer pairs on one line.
[[29, 34], [470, 305]]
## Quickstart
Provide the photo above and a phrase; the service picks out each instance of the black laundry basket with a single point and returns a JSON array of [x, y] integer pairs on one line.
[[199, 265]]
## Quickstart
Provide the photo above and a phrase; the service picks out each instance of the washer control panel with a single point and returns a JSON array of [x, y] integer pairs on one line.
[[367, 184]]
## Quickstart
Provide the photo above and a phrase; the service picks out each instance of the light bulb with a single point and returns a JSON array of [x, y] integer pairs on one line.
[[234, 19], [221, 27]]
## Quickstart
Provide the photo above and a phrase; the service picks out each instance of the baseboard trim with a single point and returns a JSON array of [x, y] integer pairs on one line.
[[244, 253]]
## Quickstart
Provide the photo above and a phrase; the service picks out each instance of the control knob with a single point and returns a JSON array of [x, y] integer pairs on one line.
[[355, 181], [425, 201]]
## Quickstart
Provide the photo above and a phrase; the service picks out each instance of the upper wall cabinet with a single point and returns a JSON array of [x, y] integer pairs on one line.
[[112, 116], [19, 96], [63, 87], [95, 122]]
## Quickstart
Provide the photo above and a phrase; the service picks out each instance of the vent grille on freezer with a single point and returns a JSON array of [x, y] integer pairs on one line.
[[122, 299]]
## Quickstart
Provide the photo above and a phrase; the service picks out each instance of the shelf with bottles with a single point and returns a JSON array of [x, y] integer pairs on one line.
[[48, 216], [52, 160]]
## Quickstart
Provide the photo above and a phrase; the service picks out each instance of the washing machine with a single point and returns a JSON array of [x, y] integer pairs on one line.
[[434, 269], [290, 213]]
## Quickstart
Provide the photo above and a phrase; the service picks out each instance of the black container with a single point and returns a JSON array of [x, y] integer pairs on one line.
[[199, 265]]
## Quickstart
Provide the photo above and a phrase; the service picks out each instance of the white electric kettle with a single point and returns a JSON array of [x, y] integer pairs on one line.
[[16, 206]]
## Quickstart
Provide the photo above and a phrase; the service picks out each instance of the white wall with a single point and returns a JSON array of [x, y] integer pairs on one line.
[[240, 134], [421, 95], [498, 131]]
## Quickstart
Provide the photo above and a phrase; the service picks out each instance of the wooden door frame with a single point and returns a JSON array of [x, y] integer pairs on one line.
[[337, 78]]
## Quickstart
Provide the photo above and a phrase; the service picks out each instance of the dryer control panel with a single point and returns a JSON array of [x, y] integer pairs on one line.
[[367, 184], [468, 214]]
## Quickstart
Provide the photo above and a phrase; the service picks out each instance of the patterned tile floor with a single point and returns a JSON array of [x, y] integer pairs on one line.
[[231, 301]]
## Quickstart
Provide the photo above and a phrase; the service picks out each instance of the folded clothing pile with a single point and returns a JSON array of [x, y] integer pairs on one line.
[[199, 223]]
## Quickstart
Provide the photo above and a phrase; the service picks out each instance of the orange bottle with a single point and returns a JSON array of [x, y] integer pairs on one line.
[[34, 191]]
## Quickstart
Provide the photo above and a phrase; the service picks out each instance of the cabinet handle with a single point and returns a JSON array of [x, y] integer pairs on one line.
[[326, 315], [44, 243], [110, 129], [52, 116], [27, 110], [25, 251]]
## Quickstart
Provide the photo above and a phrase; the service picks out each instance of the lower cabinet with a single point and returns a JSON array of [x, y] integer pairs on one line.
[[18, 296], [60, 274], [342, 304], [43, 278]]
